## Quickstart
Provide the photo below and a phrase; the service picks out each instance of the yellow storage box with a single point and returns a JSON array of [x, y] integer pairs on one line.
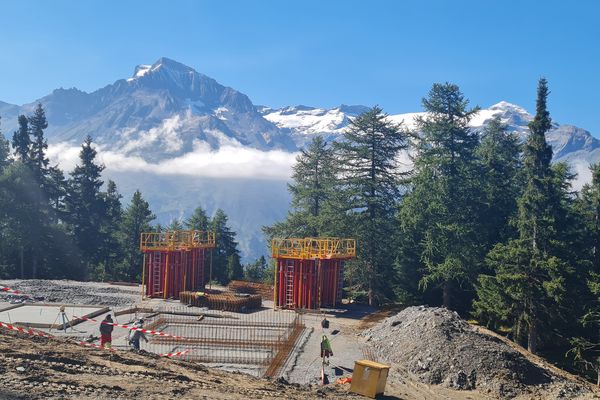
[[369, 378]]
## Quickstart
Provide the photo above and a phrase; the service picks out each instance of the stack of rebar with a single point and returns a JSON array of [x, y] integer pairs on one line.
[[221, 301], [266, 291]]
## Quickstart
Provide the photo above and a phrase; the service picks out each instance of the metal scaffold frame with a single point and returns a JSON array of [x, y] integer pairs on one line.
[[174, 261], [309, 271]]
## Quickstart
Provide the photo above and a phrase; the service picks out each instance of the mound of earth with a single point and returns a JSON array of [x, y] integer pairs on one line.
[[437, 347], [73, 292]]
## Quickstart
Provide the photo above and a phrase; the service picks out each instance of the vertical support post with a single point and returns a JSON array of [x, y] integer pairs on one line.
[[143, 276], [276, 270], [166, 275]]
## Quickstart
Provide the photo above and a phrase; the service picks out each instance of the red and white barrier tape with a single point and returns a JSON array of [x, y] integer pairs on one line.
[[46, 335], [179, 353], [23, 330], [133, 328], [14, 291]]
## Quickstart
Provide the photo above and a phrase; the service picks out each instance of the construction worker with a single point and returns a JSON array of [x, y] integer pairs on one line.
[[138, 335], [106, 329]]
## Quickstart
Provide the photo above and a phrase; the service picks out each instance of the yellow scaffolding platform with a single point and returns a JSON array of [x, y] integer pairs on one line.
[[177, 240], [313, 248]]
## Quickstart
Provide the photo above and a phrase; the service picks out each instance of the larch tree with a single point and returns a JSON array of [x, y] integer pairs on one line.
[[136, 219], [440, 215], [530, 282], [370, 179], [86, 206]]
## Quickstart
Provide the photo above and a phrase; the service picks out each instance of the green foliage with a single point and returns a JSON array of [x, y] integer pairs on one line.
[[86, 207], [225, 259], [313, 192], [198, 220], [440, 216], [369, 185], [533, 272], [256, 271], [136, 219], [4, 152], [21, 141]]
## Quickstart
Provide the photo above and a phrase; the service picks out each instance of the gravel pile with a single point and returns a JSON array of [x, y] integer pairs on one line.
[[74, 292], [438, 347]]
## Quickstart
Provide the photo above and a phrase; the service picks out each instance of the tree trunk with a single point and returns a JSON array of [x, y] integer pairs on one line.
[[533, 336], [446, 295], [34, 265]]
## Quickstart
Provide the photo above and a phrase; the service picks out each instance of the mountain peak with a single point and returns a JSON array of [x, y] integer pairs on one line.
[[162, 64], [506, 106], [171, 65]]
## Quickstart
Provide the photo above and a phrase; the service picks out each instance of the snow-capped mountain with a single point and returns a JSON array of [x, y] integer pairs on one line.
[[185, 140], [162, 111], [303, 123]]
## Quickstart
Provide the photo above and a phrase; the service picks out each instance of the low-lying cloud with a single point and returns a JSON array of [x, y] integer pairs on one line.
[[228, 161]]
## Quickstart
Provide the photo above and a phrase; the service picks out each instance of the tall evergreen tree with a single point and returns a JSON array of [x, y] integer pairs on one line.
[[313, 195], [226, 246], [4, 152], [529, 287], [235, 270], [175, 225], [136, 219], [39, 145], [440, 215], [112, 251], [198, 220], [86, 206], [499, 155], [370, 184], [256, 271], [21, 141]]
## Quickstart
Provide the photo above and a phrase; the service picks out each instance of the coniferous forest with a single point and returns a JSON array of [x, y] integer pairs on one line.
[[480, 222], [56, 224]]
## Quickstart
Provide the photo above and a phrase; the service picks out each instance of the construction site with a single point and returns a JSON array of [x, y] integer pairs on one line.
[[297, 338]]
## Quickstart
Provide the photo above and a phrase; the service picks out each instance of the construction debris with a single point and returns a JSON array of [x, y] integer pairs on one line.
[[439, 348]]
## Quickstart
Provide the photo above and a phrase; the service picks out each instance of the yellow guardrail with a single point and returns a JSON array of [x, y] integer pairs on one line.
[[177, 240], [311, 248]]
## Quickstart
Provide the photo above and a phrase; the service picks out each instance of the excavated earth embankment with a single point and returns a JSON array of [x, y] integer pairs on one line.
[[437, 347]]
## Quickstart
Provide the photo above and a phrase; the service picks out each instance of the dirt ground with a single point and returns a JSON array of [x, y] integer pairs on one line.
[[36, 368]]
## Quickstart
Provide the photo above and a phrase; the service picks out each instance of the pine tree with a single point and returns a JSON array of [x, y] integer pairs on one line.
[[21, 141], [499, 155], [235, 270], [226, 246], [136, 219], [198, 220], [370, 185], [112, 251], [529, 288], [39, 146], [313, 193], [256, 272], [86, 206], [4, 152], [175, 225], [440, 214], [56, 189]]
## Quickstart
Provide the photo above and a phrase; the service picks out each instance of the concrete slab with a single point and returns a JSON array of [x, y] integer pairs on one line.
[[37, 315]]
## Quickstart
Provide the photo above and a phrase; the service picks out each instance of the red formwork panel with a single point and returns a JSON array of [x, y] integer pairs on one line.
[[167, 273], [308, 284]]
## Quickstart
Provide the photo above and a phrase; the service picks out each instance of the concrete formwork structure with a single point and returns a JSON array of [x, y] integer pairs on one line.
[[309, 271], [174, 261]]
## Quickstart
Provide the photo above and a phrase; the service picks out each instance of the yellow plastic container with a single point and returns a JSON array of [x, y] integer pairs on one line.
[[369, 378]]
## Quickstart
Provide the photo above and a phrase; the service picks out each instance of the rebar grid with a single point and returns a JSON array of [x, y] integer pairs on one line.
[[262, 340]]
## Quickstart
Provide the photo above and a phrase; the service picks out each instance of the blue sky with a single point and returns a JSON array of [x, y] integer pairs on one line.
[[319, 53]]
